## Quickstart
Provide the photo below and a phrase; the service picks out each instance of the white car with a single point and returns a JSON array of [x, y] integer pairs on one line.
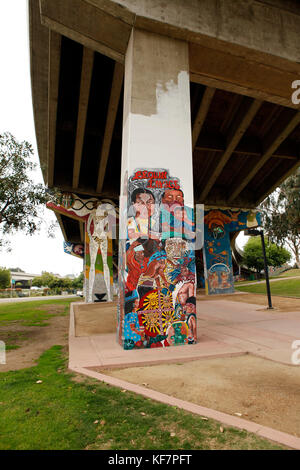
[[79, 293]]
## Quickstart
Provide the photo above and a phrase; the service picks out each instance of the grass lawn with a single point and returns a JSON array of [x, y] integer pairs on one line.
[[16, 315], [61, 413], [35, 313], [290, 273], [289, 288]]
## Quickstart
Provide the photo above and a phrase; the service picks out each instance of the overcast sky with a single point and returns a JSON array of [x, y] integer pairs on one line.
[[31, 253]]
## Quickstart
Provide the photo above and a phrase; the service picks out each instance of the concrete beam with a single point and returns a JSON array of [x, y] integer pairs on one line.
[[270, 149], [39, 63], [85, 84], [241, 75], [245, 115], [257, 26], [88, 24], [54, 66], [202, 113], [114, 99], [249, 147]]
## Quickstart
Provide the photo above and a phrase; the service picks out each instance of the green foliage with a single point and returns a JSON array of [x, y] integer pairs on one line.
[[44, 280], [253, 254], [20, 198], [281, 215], [59, 413], [77, 283], [4, 278], [54, 282]]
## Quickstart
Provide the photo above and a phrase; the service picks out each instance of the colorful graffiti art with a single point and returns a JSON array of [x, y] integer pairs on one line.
[[157, 284], [218, 224]]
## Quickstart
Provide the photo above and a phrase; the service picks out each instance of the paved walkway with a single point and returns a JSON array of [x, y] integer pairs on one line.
[[242, 284], [225, 328]]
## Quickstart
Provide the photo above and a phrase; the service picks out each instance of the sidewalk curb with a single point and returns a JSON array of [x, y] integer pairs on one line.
[[262, 431]]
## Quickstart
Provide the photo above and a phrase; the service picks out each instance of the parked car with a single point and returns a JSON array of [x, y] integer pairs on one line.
[[79, 293]]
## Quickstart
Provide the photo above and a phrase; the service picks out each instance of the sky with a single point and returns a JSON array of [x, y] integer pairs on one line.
[[36, 253]]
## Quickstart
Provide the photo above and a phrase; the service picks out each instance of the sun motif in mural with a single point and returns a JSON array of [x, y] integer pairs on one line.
[[151, 301], [150, 321], [168, 318], [157, 313]]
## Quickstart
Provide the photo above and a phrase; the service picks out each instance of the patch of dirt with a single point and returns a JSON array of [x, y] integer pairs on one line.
[[52, 309], [283, 304], [262, 391], [38, 339]]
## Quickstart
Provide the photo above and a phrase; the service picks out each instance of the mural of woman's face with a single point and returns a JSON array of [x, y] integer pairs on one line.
[[144, 205]]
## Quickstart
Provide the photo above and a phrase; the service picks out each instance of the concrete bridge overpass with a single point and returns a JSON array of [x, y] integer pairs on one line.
[[168, 104], [243, 58], [23, 279]]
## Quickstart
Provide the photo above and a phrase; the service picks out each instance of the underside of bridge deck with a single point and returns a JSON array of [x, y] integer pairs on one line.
[[245, 128]]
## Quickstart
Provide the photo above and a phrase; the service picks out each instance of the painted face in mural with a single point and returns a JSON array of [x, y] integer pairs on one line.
[[78, 249], [139, 256], [143, 204], [190, 308], [173, 198]]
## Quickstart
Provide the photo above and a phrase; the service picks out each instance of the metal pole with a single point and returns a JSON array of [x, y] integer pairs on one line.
[[266, 268]]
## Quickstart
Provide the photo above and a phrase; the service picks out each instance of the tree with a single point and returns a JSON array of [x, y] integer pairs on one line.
[[44, 280], [77, 283], [253, 254], [4, 278], [16, 270], [20, 198], [281, 215]]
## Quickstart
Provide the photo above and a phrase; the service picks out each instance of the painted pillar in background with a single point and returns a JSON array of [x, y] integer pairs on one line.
[[99, 219], [157, 281], [218, 224]]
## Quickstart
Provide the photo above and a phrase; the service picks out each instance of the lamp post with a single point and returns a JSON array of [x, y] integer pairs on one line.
[[254, 232]]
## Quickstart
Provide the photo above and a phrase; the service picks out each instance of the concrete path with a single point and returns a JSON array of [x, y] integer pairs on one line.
[[264, 281], [31, 299], [225, 328]]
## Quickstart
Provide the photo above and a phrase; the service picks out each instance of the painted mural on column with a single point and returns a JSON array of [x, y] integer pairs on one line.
[[218, 224], [99, 218], [157, 276], [74, 249]]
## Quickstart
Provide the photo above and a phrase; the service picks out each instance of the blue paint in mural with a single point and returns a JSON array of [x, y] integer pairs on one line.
[[218, 224]]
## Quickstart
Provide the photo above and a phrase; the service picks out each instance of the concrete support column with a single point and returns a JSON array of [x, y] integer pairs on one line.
[[157, 283], [98, 219]]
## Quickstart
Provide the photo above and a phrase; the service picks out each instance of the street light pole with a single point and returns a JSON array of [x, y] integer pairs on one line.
[[261, 232], [255, 232]]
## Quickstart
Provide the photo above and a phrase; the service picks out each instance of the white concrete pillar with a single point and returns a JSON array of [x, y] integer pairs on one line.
[[157, 280]]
